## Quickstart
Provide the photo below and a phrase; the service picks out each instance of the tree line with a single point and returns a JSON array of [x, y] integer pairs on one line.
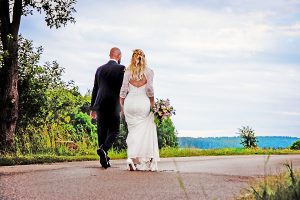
[[38, 110], [57, 13], [54, 115]]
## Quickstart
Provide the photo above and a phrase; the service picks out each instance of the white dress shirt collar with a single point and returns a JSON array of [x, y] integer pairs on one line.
[[113, 60]]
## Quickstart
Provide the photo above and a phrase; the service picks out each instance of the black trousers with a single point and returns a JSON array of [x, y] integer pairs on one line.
[[108, 128]]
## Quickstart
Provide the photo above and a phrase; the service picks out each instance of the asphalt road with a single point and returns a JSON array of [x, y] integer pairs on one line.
[[213, 177]]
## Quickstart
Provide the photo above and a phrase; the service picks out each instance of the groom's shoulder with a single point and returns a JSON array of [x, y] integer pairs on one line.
[[115, 64], [100, 68], [111, 66], [121, 67]]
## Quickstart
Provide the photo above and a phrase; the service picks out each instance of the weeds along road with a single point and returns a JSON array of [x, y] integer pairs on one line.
[[209, 177]]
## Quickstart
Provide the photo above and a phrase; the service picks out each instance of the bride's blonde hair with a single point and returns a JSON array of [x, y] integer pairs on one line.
[[137, 65]]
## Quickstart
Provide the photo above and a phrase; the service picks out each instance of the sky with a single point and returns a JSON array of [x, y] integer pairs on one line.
[[223, 64]]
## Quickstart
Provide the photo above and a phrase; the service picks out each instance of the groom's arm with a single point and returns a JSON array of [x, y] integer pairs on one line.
[[122, 84], [122, 71], [95, 91]]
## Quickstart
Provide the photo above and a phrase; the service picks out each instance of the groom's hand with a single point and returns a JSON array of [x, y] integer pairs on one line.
[[93, 114]]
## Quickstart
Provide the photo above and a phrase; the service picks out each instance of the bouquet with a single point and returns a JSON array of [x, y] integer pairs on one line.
[[162, 110]]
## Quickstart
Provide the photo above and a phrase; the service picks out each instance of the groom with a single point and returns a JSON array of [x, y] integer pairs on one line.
[[105, 103]]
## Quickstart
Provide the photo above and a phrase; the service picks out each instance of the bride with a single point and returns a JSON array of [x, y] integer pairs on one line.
[[136, 98]]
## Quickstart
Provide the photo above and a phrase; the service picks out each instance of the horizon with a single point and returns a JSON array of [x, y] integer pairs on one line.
[[239, 136], [223, 64]]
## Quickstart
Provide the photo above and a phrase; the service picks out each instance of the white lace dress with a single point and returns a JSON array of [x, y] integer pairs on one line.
[[142, 135]]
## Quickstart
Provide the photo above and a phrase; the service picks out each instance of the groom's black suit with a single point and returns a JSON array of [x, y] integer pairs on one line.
[[105, 101]]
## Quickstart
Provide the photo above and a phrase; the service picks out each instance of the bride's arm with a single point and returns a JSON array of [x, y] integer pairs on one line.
[[151, 101], [122, 102], [124, 89], [150, 90]]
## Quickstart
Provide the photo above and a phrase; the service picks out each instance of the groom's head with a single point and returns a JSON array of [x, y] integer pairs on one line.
[[115, 53]]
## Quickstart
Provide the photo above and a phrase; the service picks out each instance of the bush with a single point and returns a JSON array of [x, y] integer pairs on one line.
[[85, 131], [296, 145], [167, 134], [248, 138], [120, 143]]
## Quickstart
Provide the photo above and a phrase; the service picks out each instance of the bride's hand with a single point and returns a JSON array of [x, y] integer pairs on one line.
[[122, 106], [93, 114], [122, 111], [152, 102]]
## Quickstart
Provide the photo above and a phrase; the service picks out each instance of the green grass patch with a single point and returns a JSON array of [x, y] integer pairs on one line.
[[188, 152], [40, 159], [284, 186], [164, 153]]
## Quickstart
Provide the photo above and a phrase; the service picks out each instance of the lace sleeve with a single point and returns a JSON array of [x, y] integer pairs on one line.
[[125, 85], [149, 86]]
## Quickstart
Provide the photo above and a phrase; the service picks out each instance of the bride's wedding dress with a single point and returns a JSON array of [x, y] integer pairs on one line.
[[142, 135]]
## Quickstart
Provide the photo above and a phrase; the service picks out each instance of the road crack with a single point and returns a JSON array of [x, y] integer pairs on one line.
[[180, 181]]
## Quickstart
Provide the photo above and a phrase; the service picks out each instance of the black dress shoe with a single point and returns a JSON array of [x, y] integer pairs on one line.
[[108, 163], [103, 157], [98, 152]]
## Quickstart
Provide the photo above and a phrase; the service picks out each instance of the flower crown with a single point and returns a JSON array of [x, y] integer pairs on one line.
[[139, 53]]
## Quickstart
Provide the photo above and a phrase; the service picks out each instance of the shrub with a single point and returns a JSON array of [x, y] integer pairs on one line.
[[167, 134], [296, 145], [120, 143], [248, 138]]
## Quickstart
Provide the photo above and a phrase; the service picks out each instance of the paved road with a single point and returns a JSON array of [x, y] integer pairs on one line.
[[211, 177]]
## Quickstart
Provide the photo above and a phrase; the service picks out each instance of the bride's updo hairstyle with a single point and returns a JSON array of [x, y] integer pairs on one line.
[[137, 65]]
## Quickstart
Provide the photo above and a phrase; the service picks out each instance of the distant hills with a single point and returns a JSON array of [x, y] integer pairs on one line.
[[234, 142]]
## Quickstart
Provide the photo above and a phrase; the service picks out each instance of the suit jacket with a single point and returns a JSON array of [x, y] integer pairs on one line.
[[107, 85]]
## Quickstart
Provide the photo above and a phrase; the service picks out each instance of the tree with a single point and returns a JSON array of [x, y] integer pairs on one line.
[[296, 145], [167, 134], [57, 13], [51, 111], [248, 138]]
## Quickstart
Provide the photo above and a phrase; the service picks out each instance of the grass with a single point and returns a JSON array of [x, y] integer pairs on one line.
[[187, 152], [40, 159], [164, 153], [284, 186]]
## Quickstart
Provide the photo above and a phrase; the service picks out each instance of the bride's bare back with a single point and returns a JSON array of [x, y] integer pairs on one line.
[[139, 83]]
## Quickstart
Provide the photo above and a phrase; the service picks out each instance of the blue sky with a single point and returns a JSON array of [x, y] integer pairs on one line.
[[224, 64]]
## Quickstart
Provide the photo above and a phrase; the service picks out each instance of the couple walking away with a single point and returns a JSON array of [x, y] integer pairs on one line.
[[129, 92]]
